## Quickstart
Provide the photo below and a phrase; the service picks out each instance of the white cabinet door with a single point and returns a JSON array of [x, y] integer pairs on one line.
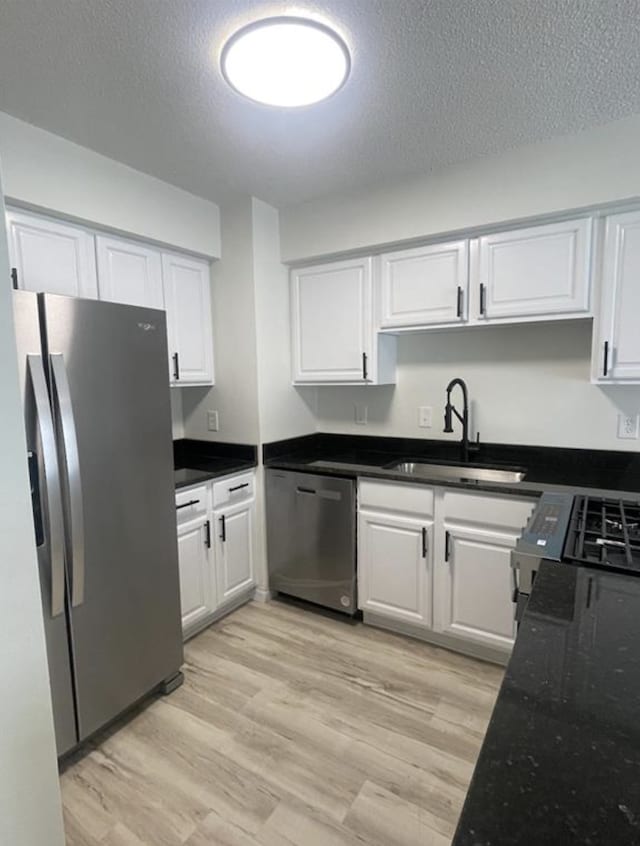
[[424, 286], [235, 566], [333, 337], [473, 583], [53, 257], [616, 354], [197, 588], [539, 272], [394, 569], [475, 594], [129, 273], [187, 297]]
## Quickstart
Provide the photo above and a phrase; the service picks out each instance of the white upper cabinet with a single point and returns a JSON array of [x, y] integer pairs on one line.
[[52, 257], [187, 297], [534, 273], [129, 273], [334, 339], [616, 349], [424, 286]]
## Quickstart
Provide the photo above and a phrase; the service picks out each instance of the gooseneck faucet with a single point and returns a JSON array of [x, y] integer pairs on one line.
[[450, 410]]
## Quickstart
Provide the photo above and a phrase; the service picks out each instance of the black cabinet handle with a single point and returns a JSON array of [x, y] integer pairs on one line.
[[207, 534], [447, 539], [459, 309], [223, 524], [14, 277], [305, 490], [176, 367], [239, 487], [482, 299], [425, 543], [605, 367], [364, 367], [187, 504]]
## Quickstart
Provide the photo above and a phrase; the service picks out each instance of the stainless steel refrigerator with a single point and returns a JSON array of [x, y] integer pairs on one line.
[[98, 422]]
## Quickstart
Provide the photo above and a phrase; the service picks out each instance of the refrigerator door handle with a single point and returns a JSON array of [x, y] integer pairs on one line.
[[64, 411], [52, 498]]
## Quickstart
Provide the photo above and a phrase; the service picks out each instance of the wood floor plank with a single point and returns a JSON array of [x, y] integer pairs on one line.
[[221, 832], [292, 729], [385, 819]]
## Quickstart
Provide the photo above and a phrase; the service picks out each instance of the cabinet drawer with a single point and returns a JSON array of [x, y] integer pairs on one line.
[[505, 512], [191, 502], [395, 496], [234, 489]]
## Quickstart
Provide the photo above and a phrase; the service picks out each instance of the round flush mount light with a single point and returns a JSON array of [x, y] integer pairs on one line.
[[286, 61]]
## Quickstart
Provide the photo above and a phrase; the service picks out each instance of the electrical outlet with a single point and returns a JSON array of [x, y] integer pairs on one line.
[[361, 414], [213, 421], [628, 426], [425, 417]]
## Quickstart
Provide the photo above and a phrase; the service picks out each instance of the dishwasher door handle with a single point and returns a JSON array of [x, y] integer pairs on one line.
[[336, 496]]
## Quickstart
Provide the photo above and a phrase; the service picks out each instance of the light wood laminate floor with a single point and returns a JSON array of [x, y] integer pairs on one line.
[[291, 728]]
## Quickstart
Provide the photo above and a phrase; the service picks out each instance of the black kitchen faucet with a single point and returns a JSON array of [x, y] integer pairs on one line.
[[450, 410]]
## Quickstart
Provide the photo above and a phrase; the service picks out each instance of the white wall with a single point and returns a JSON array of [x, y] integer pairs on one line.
[[30, 811], [253, 395], [285, 412], [597, 166], [177, 414], [235, 395], [47, 172], [529, 384]]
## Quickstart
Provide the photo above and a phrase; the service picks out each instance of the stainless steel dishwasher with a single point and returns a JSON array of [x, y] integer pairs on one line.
[[311, 537]]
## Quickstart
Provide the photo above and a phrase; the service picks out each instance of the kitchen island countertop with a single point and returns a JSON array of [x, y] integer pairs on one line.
[[560, 763]]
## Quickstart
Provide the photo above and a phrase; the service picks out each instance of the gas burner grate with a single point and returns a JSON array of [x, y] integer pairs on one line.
[[605, 532]]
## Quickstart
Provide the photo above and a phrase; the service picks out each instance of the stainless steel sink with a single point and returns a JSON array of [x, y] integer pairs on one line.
[[454, 472]]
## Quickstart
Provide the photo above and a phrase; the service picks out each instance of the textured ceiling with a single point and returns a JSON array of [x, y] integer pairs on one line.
[[434, 82]]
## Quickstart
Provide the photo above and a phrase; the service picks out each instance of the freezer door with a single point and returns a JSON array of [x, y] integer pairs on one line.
[[113, 421], [48, 518]]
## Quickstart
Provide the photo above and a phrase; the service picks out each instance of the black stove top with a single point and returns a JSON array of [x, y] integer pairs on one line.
[[604, 533]]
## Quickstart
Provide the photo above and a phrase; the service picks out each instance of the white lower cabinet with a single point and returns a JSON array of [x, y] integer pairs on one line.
[[394, 561], [235, 572], [474, 587], [197, 587], [216, 550], [439, 560]]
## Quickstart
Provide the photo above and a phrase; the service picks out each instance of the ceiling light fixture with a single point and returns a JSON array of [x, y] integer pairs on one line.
[[285, 61]]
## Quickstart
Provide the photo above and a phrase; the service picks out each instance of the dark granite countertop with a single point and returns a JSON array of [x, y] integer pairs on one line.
[[597, 472], [560, 763], [199, 461]]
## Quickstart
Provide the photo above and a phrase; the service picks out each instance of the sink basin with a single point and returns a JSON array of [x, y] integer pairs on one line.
[[463, 473]]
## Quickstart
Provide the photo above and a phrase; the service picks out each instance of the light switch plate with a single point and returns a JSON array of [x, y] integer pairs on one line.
[[213, 421], [425, 417], [628, 426], [361, 413]]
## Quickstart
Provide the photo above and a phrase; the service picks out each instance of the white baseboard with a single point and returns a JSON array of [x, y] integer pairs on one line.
[[219, 613], [484, 653], [262, 595]]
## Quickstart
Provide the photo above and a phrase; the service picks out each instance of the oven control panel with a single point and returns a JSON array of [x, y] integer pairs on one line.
[[547, 528]]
